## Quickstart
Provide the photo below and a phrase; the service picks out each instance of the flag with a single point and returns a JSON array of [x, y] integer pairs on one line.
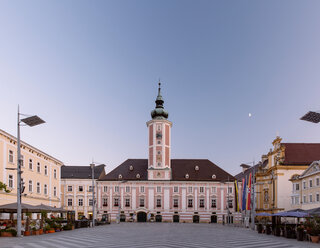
[[244, 186], [249, 193], [236, 196]]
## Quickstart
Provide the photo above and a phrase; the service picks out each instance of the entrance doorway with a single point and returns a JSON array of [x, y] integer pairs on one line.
[[158, 218], [122, 218], [142, 217], [196, 219], [214, 219], [176, 218]]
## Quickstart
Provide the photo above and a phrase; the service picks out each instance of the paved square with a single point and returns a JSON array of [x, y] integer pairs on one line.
[[143, 235]]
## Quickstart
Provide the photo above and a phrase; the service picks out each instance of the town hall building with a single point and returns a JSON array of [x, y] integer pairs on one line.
[[164, 189]]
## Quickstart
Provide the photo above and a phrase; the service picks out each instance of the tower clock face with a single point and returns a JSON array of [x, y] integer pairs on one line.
[[159, 136]]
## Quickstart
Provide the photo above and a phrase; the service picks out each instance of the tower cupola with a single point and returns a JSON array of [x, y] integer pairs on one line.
[[159, 113]]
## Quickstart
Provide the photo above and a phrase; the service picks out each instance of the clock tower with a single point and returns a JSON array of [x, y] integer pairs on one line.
[[159, 160]]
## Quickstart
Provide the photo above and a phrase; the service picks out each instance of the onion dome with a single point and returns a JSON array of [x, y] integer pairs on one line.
[[159, 112]]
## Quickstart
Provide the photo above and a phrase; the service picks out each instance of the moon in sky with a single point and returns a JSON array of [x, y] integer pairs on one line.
[[250, 114]]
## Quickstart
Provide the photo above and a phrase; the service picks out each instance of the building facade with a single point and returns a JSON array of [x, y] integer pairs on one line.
[[164, 189], [306, 188], [76, 189], [272, 182], [40, 173]]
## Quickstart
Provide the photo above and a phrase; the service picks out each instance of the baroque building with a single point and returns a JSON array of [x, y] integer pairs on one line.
[[40, 173], [76, 189], [306, 188], [164, 189], [272, 178]]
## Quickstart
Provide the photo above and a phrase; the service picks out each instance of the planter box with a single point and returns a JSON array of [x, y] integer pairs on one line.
[[52, 231], [26, 233], [6, 234], [35, 232]]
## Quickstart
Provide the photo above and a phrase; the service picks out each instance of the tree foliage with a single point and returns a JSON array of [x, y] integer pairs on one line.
[[3, 186]]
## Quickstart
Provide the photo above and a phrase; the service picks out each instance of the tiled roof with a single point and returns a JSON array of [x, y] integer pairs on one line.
[[180, 167], [82, 172], [301, 153]]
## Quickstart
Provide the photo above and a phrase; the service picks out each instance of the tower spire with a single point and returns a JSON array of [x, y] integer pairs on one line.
[[159, 112]]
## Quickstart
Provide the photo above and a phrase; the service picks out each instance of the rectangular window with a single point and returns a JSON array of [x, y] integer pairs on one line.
[[304, 199], [318, 197], [30, 164], [38, 167], [46, 170], [214, 189], [297, 186], [55, 191], [304, 185], [127, 189], [116, 202], [158, 202], [310, 183], [30, 186], [201, 189], [116, 189], [175, 203], [10, 181], [69, 188], [141, 202], [189, 189], [142, 189], [310, 198], [38, 188], [213, 203], [230, 203], [45, 189], [201, 203], [297, 200], [317, 181], [175, 189], [70, 202], [105, 188], [80, 188], [230, 190], [90, 202], [80, 202], [190, 203], [90, 188], [22, 160], [127, 202], [105, 202], [158, 189], [10, 156], [55, 173]]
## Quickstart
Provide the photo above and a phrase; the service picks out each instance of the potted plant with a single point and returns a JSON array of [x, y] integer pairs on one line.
[[10, 232], [259, 228], [300, 233], [27, 229], [313, 229]]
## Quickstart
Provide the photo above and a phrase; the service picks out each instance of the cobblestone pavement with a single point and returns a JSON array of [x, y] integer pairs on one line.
[[155, 235]]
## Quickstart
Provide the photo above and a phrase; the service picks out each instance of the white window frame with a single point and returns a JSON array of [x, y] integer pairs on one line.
[[38, 188], [11, 157], [54, 191], [30, 186], [70, 188], [45, 189], [127, 189], [80, 187], [46, 170], [38, 167], [201, 189], [30, 164], [69, 202], [80, 202], [175, 189], [116, 189], [141, 189], [55, 173], [10, 181], [105, 188], [158, 189]]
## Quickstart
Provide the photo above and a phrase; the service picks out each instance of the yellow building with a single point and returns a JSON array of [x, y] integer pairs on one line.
[[306, 188], [273, 189], [40, 173]]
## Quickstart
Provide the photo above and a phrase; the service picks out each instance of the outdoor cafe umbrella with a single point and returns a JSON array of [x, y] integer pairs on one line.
[[314, 211], [296, 214], [50, 209], [263, 214], [25, 208]]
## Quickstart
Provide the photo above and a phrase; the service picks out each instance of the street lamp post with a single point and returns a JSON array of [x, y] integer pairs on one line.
[[93, 201], [29, 121]]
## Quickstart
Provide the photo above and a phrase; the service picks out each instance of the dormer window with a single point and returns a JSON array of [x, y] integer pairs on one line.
[[196, 168], [138, 176], [214, 176], [120, 176], [131, 168], [187, 176]]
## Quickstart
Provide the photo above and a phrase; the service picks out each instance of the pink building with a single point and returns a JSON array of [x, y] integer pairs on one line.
[[163, 189]]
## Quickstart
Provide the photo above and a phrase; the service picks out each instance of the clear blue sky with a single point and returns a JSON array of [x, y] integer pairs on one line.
[[90, 69]]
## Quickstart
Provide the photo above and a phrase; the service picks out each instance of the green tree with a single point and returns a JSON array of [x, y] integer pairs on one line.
[[3, 186]]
